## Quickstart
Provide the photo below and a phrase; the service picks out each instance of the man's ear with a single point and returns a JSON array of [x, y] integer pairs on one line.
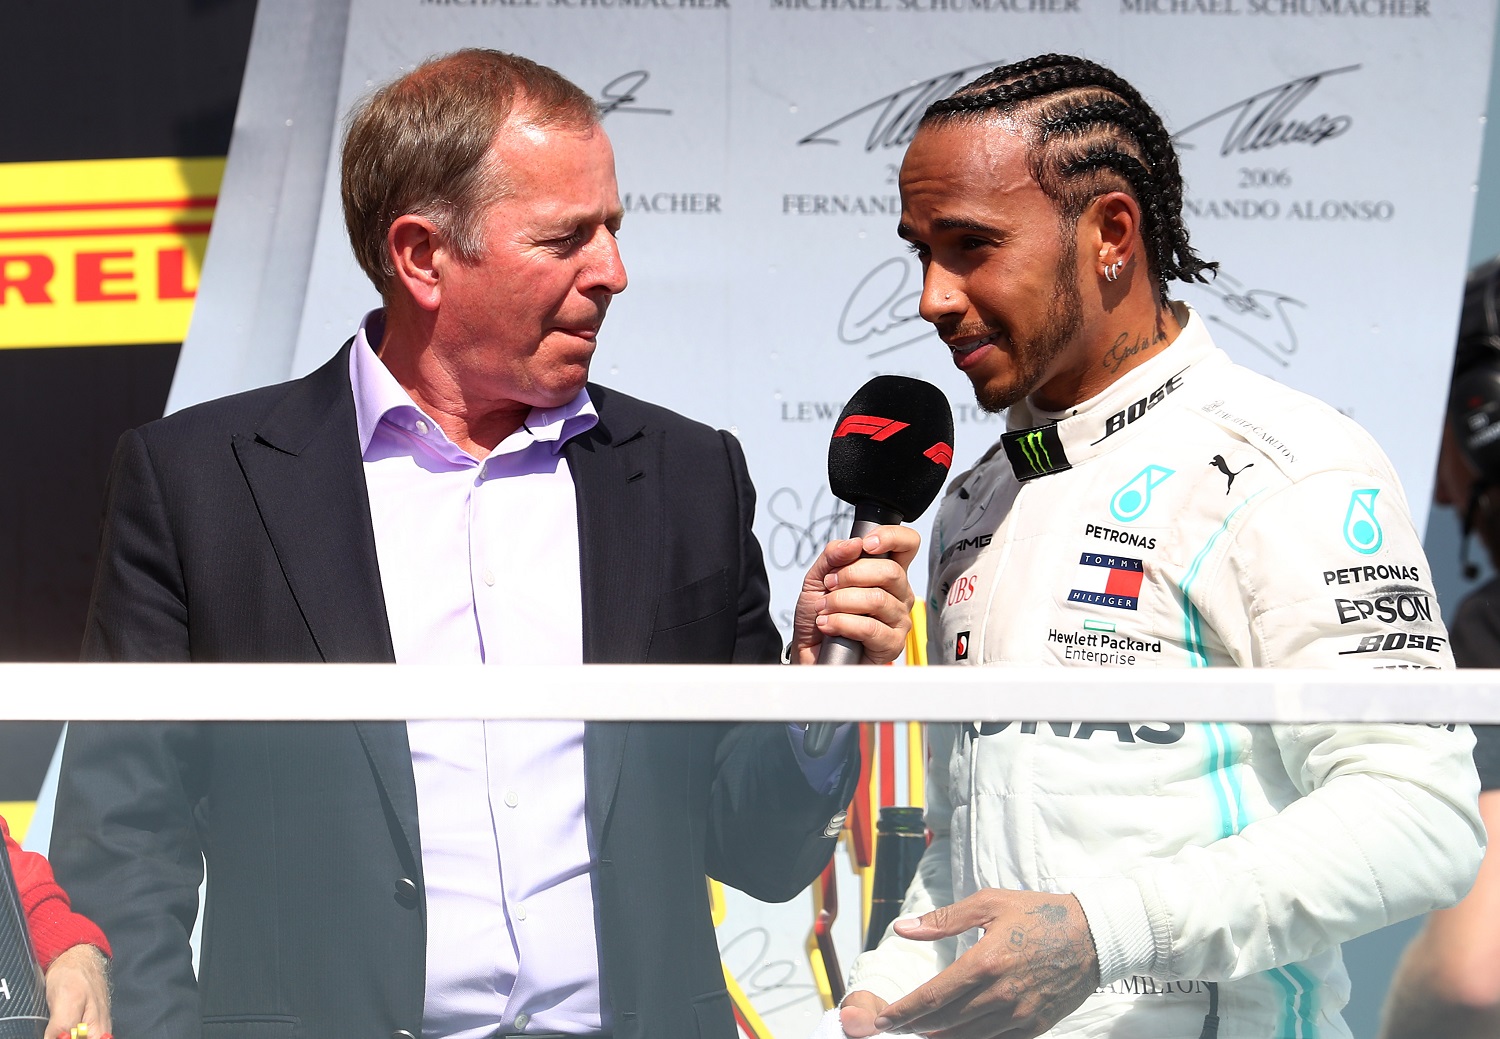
[[1114, 221], [416, 250]]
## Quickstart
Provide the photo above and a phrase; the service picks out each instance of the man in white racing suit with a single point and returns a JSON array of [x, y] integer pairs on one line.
[[1151, 505]]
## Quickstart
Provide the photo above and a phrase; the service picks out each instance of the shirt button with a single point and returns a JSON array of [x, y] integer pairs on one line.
[[489, 578], [406, 892], [421, 427], [521, 1020], [511, 799], [520, 911]]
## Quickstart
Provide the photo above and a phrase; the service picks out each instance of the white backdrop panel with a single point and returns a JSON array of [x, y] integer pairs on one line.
[[1330, 149], [1329, 170]]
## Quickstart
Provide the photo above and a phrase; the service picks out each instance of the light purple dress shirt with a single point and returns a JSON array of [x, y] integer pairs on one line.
[[479, 563]]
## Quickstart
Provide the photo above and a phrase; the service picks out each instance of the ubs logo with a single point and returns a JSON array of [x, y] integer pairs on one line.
[[962, 591]]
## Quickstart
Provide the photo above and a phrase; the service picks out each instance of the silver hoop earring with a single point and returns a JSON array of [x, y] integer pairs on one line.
[[1112, 270]]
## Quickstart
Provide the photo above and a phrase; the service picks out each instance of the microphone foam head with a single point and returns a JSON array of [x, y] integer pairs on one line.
[[893, 445]]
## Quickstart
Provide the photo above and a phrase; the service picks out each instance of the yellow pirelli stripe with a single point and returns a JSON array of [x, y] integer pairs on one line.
[[18, 816], [102, 252]]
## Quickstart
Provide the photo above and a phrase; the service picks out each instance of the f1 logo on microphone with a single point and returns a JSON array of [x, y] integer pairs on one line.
[[940, 453], [871, 426], [961, 646]]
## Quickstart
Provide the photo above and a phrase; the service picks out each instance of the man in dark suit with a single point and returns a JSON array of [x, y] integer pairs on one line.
[[446, 489]]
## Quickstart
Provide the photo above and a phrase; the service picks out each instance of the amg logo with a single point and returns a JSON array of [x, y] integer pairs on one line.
[[963, 546]]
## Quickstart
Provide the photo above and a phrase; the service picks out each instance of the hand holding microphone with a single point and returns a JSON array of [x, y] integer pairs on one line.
[[889, 457]]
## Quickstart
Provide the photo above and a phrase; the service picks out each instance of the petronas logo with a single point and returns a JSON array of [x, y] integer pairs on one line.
[[1132, 500], [1034, 451], [1361, 529]]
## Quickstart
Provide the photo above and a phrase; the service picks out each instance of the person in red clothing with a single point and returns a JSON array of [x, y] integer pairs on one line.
[[73, 952]]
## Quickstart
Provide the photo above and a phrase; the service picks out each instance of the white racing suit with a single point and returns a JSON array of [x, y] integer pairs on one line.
[[1192, 515]]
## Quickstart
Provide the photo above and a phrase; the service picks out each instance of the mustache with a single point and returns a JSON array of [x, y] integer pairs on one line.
[[972, 330]]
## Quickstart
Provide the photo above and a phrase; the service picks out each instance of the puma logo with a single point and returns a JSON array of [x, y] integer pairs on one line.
[[1229, 474]]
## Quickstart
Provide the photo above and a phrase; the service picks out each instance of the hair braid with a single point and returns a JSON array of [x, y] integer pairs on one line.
[[1089, 132]]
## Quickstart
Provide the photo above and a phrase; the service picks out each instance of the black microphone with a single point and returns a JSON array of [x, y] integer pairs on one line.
[[889, 457], [1471, 510]]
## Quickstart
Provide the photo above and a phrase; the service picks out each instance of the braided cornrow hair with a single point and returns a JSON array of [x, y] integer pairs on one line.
[[1089, 132]]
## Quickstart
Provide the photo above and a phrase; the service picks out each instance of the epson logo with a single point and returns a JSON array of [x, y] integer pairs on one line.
[[1406, 606]]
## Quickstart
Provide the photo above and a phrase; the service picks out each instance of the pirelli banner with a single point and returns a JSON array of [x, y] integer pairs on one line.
[[1330, 149], [104, 251]]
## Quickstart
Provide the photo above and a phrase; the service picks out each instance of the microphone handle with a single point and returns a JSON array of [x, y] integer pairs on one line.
[[836, 649]]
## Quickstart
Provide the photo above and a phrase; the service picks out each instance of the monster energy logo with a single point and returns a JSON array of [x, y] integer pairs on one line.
[[1035, 452]]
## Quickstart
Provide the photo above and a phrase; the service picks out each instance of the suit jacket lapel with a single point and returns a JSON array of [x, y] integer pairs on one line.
[[389, 751], [619, 484], [304, 469]]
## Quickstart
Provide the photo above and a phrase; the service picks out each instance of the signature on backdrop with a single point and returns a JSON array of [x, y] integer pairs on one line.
[[1272, 118]]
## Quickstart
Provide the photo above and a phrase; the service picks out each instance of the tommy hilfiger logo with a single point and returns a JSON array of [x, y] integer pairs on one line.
[[961, 646], [1035, 452], [1108, 580]]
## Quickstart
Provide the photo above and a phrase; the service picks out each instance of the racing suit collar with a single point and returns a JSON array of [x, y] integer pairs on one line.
[[1040, 442]]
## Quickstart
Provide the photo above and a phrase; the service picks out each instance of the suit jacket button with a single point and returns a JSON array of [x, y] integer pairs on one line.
[[402, 1034], [406, 894]]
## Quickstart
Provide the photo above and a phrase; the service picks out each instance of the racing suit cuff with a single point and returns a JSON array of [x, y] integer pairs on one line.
[[897, 965], [1121, 928]]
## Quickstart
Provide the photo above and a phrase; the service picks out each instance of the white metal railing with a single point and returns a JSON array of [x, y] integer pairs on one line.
[[618, 692]]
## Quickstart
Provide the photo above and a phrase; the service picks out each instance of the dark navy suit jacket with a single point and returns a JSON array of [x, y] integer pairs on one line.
[[240, 530]]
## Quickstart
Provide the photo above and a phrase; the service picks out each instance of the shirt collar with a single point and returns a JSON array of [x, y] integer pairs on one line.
[[378, 398], [1108, 419]]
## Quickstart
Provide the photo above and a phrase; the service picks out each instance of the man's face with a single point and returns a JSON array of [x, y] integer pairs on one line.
[[1000, 279], [520, 322]]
